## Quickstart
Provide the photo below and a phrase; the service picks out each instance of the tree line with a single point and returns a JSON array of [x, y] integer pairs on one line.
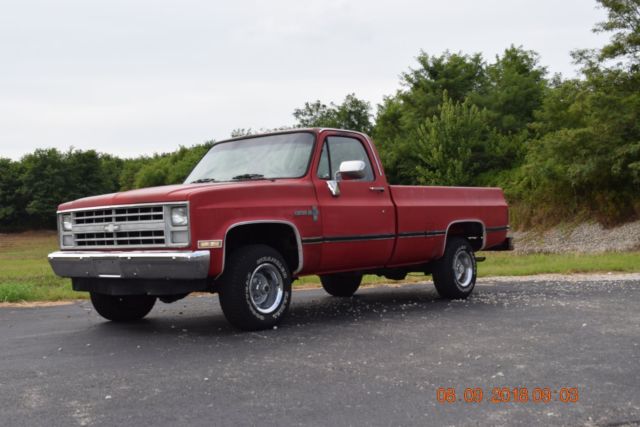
[[561, 148]]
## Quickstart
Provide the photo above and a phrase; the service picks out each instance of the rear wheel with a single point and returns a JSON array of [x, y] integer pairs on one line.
[[455, 273], [125, 308], [255, 289], [341, 284]]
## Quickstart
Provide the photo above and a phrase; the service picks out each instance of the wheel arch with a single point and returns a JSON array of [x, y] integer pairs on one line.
[[473, 230], [279, 234]]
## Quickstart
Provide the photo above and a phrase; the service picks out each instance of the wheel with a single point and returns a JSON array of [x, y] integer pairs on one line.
[[255, 288], [341, 284], [122, 308], [455, 273]]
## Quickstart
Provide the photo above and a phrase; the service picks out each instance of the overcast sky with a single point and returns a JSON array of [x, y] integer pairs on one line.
[[133, 77]]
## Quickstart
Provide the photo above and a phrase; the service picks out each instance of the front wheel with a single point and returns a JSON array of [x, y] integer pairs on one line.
[[255, 288], [124, 308], [455, 273]]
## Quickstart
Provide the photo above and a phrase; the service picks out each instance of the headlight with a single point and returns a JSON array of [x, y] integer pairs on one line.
[[179, 216], [67, 224]]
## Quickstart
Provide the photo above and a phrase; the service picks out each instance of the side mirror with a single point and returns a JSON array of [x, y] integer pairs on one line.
[[351, 169], [334, 188]]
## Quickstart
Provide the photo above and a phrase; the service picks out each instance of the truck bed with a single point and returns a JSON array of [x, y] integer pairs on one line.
[[424, 217]]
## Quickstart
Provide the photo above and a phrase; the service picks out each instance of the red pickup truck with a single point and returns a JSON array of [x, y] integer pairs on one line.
[[259, 211]]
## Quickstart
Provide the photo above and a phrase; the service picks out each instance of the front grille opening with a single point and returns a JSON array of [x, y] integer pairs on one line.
[[121, 227], [119, 215], [150, 213], [94, 217], [95, 239], [121, 238], [148, 237]]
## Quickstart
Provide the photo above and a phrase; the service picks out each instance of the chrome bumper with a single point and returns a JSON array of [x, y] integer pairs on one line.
[[131, 265]]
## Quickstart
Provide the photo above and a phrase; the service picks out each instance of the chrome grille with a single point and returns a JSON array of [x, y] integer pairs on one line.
[[122, 227], [124, 238], [133, 214]]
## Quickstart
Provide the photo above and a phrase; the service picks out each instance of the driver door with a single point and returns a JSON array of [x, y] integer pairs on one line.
[[359, 223]]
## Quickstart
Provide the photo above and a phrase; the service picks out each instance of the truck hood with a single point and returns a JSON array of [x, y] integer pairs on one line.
[[163, 194]]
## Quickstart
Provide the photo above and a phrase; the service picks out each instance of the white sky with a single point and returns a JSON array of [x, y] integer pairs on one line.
[[131, 77]]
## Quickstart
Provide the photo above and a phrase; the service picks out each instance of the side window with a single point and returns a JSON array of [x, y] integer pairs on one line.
[[338, 149], [324, 171]]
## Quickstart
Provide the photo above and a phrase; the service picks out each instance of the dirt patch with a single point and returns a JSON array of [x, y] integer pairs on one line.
[[36, 304], [28, 238]]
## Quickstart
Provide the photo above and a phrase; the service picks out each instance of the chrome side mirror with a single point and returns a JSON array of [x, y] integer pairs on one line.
[[352, 169]]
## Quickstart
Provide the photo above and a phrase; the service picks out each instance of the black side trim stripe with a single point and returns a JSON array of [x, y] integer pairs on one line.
[[330, 239], [404, 234], [422, 233], [311, 240], [494, 229], [357, 238]]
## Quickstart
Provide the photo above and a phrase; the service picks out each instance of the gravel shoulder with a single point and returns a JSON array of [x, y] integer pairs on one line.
[[587, 237]]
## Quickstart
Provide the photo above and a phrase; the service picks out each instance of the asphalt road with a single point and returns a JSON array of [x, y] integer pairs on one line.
[[375, 359]]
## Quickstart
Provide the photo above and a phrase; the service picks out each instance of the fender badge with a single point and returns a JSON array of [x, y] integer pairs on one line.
[[313, 212]]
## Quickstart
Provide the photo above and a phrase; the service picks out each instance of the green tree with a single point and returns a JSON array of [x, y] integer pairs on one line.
[[130, 168], [171, 168], [43, 185], [585, 159], [11, 202], [623, 19], [514, 88], [84, 174], [111, 169], [352, 114], [454, 73], [456, 146], [423, 89]]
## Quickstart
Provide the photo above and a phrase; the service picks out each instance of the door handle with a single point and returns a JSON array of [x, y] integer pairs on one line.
[[377, 189]]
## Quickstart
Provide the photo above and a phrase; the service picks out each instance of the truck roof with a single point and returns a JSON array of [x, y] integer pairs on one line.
[[315, 130]]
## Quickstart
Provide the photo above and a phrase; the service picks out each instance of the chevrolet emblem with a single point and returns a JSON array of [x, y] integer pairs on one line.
[[111, 228]]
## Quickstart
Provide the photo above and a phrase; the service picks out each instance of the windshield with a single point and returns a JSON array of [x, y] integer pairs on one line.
[[263, 157]]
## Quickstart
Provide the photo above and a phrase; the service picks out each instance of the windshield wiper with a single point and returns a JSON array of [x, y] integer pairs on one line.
[[198, 181], [248, 176]]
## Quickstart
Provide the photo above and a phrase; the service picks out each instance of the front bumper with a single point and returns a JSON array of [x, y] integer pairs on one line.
[[175, 265]]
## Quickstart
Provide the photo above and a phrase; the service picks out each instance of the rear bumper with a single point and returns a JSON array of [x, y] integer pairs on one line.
[[176, 265], [506, 245]]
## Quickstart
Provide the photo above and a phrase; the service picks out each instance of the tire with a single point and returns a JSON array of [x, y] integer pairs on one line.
[[255, 288], [341, 284], [455, 273], [122, 308]]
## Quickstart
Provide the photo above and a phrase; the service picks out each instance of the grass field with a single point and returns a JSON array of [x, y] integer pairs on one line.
[[25, 274]]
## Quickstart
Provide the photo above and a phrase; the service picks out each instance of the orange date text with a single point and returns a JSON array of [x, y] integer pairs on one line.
[[449, 395]]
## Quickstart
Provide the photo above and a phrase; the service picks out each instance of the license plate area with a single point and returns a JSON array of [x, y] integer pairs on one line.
[[108, 268]]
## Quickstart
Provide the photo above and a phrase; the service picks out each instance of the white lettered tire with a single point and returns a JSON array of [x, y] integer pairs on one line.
[[255, 288], [455, 273]]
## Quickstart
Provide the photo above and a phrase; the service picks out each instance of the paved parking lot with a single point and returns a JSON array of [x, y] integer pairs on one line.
[[377, 359]]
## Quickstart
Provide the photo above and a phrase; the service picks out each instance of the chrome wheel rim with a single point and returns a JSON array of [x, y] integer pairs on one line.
[[266, 288], [463, 269]]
